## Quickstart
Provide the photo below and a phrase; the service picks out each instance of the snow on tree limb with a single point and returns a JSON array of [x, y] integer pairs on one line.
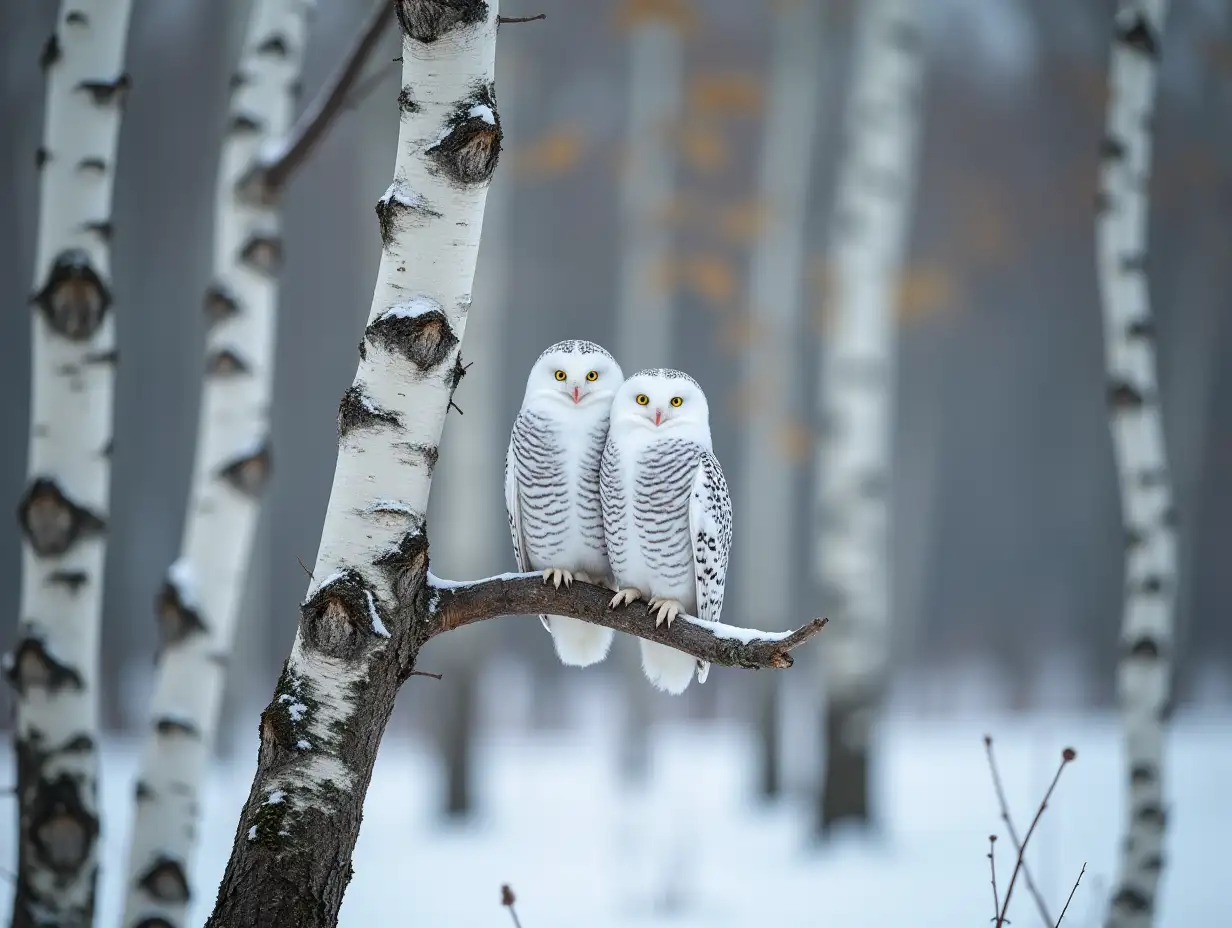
[[452, 604], [1147, 629], [63, 512]]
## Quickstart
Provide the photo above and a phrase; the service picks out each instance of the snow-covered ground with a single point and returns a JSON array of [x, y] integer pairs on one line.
[[694, 850]]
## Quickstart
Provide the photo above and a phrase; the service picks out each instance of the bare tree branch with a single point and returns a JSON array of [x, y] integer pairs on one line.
[[521, 19], [275, 169], [1013, 832], [455, 604], [507, 900], [1061, 918]]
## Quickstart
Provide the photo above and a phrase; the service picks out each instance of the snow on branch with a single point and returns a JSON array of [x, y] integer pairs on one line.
[[452, 605]]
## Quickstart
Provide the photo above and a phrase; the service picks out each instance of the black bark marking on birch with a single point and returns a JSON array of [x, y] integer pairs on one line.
[[108, 358], [1142, 774], [32, 667], [103, 93], [143, 791], [1131, 899], [53, 523], [425, 339], [419, 455], [103, 229], [1152, 477], [1133, 538], [1122, 395], [1143, 328], [406, 567], [390, 213], [406, 101], [429, 20], [249, 474], [337, 619], [1103, 202], [237, 80], [357, 411], [1151, 814], [220, 305], [73, 580], [74, 300], [107, 448], [166, 882], [263, 252], [1153, 863], [169, 727], [176, 619], [61, 831], [363, 351], [41, 157], [244, 123], [1138, 35], [92, 164], [1151, 585], [296, 90], [1111, 149], [154, 923], [254, 186], [276, 46], [226, 362], [76, 18], [1145, 648], [469, 151], [1133, 264], [51, 52]]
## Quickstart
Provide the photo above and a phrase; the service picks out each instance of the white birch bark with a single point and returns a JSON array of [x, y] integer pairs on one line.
[[199, 604], [1146, 646], [63, 513], [868, 237], [644, 317], [771, 361]]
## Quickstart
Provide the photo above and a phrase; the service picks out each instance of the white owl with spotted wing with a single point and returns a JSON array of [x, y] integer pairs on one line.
[[552, 482], [667, 515]]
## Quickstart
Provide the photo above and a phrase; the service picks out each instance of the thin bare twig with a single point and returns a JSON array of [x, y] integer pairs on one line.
[[426, 673], [305, 566], [312, 125], [992, 867], [1013, 832], [1071, 895], [507, 900], [456, 604], [1066, 756], [521, 19]]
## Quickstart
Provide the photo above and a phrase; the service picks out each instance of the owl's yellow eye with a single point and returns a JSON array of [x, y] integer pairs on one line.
[[643, 399], [592, 376], [677, 400], [561, 376]]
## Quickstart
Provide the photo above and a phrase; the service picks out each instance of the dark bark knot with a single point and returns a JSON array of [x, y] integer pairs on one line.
[[358, 411], [32, 666], [1124, 396], [417, 330], [104, 93], [74, 300], [71, 580], [249, 472], [429, 20], [62, 831], [166, 882], [1135, 32], [177, 609], [406, 567], [406, 101], [226, 362], [276, 46], [53, 523], [263, 252], [244, 124], [51, 52], [400, 208], [343, 616], [471, 141], [220, 304]]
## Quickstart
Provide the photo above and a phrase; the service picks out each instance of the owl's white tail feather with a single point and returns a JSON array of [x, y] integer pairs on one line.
[[668, 669], [578, 643]]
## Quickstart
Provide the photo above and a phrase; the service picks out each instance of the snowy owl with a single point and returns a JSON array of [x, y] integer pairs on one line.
[[667, 515], [552, 482]]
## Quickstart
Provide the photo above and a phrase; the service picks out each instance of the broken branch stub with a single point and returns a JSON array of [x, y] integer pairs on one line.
[[471, 145], [74, 300], [52, 522]]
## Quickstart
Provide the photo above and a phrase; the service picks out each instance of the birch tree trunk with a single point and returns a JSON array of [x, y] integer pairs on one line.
[[63, 513], [868, 237], [645, 316], [771, 364], [360, 627], [1146, 646], [199, 603]]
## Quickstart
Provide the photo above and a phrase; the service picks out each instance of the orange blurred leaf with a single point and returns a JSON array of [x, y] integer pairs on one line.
[[726, 93], [795, 441], [925, 290], [702, 147], [741, 223], [557, 152], [678, 13], [711, 277]]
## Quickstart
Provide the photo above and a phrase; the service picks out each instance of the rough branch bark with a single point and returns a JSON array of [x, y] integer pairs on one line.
[[63, 513], [869, 233], [452, 605], [1147, 628]]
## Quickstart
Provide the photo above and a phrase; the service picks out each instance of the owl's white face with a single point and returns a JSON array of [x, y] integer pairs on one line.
[[665, 403], [571, 376]]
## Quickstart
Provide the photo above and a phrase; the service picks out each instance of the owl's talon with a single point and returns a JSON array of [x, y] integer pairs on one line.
[[556, 575], [668, 610], [624, 597]]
